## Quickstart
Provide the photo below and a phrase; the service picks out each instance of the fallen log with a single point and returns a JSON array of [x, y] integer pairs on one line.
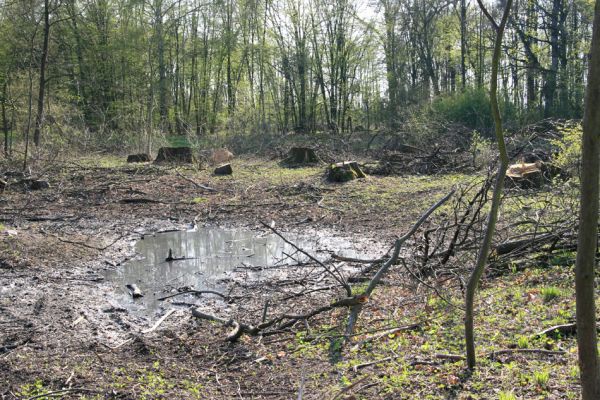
[[134, 290]]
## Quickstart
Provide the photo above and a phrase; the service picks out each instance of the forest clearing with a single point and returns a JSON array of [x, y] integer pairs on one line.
[[61, 314], [274, 199]]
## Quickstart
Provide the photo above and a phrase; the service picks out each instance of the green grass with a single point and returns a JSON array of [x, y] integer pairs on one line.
[[550, 293]]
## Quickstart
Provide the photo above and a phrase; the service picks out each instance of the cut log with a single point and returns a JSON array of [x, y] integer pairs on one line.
[[525, 175], [136, 158], [36, 184], [224, 169], [344, 171], [134, 290], [298, 156], [175, 155]]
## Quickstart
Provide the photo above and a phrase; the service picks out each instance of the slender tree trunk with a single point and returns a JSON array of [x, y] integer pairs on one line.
[[4, 117], [486, 244], [39, 119], [463, 43], [588, 227]]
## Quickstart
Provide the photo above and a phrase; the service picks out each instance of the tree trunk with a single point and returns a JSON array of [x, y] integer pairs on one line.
[[486, 244], [39, 119], [4, 117], [588, 227]]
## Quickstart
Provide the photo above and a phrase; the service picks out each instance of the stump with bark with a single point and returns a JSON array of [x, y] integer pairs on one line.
[[344, 171], [136, 158], [175, 155], [298, 156], [224, 169], [531, 175]]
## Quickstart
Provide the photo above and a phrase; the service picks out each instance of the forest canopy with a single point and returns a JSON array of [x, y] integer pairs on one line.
[[114, 72]]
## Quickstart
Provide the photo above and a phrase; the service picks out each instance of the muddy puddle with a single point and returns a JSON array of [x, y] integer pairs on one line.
[[204, 258]]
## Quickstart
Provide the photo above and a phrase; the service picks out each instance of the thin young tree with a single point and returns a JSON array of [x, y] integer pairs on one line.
[[486, 244], [588, 226]]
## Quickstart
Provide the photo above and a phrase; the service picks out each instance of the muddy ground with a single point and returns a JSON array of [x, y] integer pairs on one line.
[[63, 334]]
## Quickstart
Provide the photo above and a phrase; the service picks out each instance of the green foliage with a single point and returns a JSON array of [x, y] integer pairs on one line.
[[523, 342], [33, 389], [482, 149], [178, 141], [470, 108], [569, 148], [506, 396], [541, 378], [550, 293]]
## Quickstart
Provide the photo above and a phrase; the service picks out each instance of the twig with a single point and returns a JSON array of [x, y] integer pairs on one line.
[[339, 278], [494, 354], [445, 357], [391, 261], [421, 281], [85, 244], [195, 292], [57, 392], [349, 387], [160, 321], [319, 204], [198, 185], [386, 333]]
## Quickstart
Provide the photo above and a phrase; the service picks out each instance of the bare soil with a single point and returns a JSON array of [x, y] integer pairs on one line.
[[63, 335]]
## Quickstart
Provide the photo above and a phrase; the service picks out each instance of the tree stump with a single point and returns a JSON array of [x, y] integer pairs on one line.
[[220, 156], [525, 175], [175, 155], [224, 169], [344, 171], [301, 156], [35, 184], [141, 157]]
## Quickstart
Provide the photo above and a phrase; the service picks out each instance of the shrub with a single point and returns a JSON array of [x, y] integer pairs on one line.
[[569, 148], [471, 108]]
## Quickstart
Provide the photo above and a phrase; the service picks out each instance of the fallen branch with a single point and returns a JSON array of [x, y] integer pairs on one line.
[[339, 278], [62, 391], [194, 292], [349, 387], [494, 354], [443, 357], [285, 320], [82, 244], [198, 185], [386, 333], [354, 313], [160, 321]]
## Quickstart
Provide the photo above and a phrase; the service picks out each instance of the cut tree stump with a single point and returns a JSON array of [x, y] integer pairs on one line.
[[141, 157], [220, 156], [344, 171], [531, 175], [35, 184], [301, 156], [224, 169], [175, 155]]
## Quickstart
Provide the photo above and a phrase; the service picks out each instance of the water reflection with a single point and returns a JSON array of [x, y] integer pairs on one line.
[[208, 253]]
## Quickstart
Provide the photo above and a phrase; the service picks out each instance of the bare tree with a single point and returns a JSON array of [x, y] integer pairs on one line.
[[486, 244]]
